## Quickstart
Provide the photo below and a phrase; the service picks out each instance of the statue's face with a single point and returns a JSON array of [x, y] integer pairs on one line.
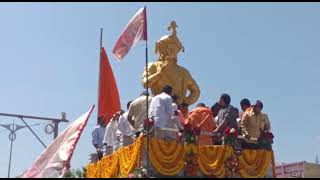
[[168, 51], [173, 51]]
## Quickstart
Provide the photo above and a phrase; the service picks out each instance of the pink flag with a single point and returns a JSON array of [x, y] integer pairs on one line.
[[135, 30], [54, 161]]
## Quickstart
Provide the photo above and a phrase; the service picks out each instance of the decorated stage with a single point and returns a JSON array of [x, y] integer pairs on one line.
[[171, 159]]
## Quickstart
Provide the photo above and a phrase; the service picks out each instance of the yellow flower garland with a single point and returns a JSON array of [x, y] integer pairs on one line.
[[92, 171], [130, 157], [168, 159], [124, 160], [109, 165]]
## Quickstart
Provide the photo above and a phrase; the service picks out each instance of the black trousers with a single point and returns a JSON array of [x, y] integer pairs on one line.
[[246, 145]]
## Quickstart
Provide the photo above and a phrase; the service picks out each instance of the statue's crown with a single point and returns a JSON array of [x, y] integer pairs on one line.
[[169, 41]]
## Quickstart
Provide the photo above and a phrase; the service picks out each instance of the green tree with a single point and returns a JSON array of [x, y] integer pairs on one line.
[[76, 173]]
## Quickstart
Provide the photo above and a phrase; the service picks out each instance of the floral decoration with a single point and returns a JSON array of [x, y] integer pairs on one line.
[[230, 137], [140, 172], [232, 165]]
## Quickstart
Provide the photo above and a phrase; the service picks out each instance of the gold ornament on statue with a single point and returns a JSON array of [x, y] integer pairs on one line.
[[166, 71]]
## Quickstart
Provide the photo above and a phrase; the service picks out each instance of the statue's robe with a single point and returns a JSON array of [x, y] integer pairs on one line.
[[176, 76]]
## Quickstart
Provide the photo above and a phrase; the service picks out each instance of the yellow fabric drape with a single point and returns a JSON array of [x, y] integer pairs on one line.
[[166, 157], [211, 159], [254, 163]]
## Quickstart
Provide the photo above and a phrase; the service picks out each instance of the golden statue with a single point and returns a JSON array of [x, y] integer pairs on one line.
[[166, 71]]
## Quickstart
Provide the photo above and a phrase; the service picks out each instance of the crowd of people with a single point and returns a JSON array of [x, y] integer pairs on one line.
[[170, 118]]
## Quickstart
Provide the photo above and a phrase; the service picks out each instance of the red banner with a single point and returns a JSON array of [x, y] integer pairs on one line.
[[109, 100]]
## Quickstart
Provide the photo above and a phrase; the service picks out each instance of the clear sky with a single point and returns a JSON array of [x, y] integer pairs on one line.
[[49, 60]]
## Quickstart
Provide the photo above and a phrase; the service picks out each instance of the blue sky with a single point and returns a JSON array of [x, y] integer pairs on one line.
[[49, 58]]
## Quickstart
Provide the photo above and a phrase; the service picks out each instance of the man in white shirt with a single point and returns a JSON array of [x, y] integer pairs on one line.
[[161, 111], [137, 112], [110, 136], [125, 128], [174, 125], [97, 136], [118, 128]]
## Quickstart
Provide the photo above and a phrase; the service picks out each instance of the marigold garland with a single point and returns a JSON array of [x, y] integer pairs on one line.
[[168, 159], [92, 171], [108, 165], [191, 163], [130, 157]]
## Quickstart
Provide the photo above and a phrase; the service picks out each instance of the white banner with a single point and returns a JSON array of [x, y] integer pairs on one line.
[[54, 161]]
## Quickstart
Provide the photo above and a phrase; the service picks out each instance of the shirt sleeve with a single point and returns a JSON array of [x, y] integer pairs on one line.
[[95, 137], [229, 116], [121, 124], [267, 125], [174, 107], [177, 122], [106, 134], [169, 108], [131, 109], [110, 130], [243, 123], [151, 108]]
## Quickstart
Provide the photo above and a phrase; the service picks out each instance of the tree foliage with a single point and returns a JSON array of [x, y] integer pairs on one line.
[[76, 173]]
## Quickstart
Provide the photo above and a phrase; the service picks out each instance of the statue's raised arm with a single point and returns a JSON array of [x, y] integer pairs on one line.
[[166, 71]]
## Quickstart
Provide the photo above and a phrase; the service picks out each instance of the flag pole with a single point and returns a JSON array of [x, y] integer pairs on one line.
[[101, 31], [147, 90], [147, 99]]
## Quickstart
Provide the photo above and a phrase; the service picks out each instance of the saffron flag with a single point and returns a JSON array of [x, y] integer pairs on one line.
[[55, 160], [109, 101], [135, 30]]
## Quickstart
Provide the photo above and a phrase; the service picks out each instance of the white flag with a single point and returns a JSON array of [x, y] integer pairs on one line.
[[135, 30], [54, 161]]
